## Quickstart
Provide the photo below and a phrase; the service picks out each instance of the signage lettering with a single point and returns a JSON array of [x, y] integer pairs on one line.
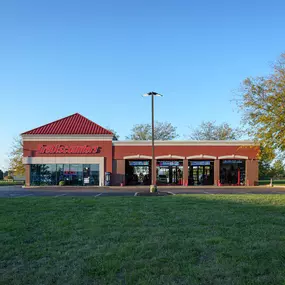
[[231, 161], [67, 149], [200, 163], [138, 163], [168, 163]]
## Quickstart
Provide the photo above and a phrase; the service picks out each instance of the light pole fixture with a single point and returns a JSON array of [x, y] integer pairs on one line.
[[153, 187]]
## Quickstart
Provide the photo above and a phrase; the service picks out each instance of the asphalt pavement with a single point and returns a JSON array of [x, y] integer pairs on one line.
[[19, 192]]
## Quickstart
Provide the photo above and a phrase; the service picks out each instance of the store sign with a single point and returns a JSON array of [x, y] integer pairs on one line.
[[232, 161], [138, 163], [200, 163], [169, 163], [67, 149]]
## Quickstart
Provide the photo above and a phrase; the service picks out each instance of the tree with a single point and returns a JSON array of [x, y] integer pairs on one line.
[[262, 101], [210, 131], [16, 155], [162, 131], [115, 134], [1, 175], [266, 155], [277, 170]]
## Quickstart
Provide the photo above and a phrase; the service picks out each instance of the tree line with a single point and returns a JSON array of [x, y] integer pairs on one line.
[[207, 130], [261, 101]]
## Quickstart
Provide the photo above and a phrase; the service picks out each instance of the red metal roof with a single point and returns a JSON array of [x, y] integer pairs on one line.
[[75, 124]]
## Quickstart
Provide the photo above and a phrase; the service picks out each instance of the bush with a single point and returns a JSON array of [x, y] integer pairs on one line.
[[61, 183], [7, 183], [9, 177]]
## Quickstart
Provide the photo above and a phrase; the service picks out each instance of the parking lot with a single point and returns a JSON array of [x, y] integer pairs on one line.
[[19, 192]]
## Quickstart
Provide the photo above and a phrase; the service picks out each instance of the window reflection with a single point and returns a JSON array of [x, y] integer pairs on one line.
[[71, 174]]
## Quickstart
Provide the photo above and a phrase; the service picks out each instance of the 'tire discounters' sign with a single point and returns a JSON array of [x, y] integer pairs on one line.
[[67, 149]]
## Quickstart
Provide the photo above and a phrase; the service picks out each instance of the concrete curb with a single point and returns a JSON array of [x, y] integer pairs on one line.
[[126, 188]]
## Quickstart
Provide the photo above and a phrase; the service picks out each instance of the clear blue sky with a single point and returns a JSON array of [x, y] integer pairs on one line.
[[98, 57]]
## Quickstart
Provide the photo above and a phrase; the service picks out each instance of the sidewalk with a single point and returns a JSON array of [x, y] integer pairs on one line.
[[133, 189]]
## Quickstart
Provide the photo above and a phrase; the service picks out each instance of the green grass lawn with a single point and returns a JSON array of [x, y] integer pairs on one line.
[[274, 182], [193, 239]]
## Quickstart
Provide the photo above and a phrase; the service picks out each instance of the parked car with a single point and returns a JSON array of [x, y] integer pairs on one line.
[[162, 178]]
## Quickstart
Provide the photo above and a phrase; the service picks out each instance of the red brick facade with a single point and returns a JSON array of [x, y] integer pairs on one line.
[[105, 150], [68, 144]]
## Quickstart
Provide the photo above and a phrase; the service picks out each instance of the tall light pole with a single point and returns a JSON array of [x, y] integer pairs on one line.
[[153, 166]]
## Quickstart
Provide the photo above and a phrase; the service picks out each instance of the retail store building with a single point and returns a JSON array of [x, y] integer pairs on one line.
[[80, 152]]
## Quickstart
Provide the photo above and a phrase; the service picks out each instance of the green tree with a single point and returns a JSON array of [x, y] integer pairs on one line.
[[162, 131], [211, 131], [16, 156], [266, 156], [277, 170], [1, 175], [262, 102]]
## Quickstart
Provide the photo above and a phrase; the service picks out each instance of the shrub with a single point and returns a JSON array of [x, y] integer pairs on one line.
[[9, 177], [61, 183]]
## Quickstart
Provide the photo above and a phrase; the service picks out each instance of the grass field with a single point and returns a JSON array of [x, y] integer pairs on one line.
[[194, 239], [274, 182]]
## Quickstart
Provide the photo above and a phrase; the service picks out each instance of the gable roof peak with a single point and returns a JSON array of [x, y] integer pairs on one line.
[[74, 124]]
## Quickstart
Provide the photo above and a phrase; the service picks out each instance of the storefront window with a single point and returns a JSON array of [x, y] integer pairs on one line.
[[86, 174], [232, 172], [60, 173], [35, 174], [94, 174], [201, 172], [43, 174], [71, 174], [169, 172], [76, 174], [66, 174], [138, 172], [48, 174]]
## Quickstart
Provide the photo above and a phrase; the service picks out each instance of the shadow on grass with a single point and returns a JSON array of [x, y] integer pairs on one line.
[[182, 239]]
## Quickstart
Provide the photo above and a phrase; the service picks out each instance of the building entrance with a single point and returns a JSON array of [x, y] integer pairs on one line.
[[138, 172], [201, 172], [232, 172], [169, 172]]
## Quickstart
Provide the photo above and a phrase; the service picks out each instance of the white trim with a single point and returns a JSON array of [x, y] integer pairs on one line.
[[69, 160], [187, 143], [170, 156], [137, 156], [132, 143], [67, 137], [62, 159], [233, 156], [201, 156]]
